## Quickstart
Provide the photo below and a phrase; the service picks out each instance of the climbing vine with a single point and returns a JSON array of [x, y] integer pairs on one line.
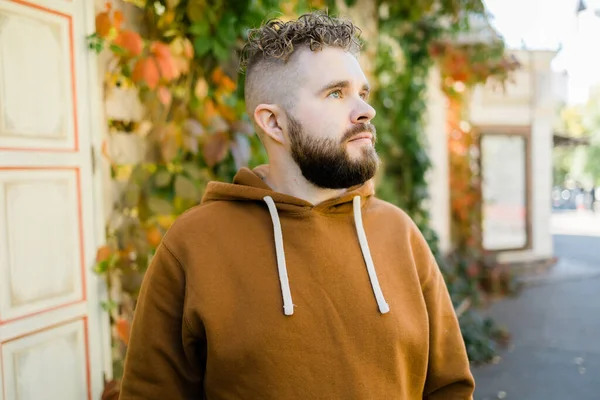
[[411, 41], [463, 66]]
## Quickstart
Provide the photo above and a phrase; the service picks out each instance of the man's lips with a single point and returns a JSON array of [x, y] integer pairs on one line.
[[360, 136]]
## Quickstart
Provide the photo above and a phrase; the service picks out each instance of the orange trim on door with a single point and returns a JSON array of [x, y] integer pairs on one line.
[[42, 8], [80, 234], [73, 87], [88, 374], [3, 388], [81, 239], [75, 147], [88, 367], [45, 310]]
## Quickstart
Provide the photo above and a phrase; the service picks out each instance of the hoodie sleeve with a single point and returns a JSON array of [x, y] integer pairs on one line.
[[448, 373], [165, 357]]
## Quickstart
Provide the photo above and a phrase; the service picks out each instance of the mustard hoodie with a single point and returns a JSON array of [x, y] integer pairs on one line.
[[257, 295]]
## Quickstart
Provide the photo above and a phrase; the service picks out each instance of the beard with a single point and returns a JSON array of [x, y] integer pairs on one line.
[[325, 162]]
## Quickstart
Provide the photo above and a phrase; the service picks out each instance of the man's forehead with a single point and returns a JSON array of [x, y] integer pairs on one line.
[[321, 67]]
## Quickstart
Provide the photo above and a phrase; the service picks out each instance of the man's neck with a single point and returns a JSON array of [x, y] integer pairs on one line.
[[288, 179]]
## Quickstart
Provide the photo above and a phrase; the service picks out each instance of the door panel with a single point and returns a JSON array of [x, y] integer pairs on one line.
[[52, 344]]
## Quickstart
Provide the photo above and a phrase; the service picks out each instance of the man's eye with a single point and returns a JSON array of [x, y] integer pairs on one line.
[[336, 94], [364, 96]]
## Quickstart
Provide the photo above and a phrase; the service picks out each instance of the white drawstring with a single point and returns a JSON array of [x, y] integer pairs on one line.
[[288, 305], [364, 245]]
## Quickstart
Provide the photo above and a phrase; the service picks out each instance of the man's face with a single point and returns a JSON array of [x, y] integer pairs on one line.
[[331, 137]]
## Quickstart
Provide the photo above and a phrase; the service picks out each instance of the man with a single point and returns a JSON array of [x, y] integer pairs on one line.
[[295, 282]]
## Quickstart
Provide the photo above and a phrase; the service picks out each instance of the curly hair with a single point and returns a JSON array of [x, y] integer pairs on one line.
[[278, 40]]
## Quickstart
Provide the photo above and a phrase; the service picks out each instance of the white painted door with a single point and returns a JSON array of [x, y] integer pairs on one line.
[[51, 346]]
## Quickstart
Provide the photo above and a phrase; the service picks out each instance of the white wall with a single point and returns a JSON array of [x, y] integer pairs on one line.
[[437, 148], [530, 103]]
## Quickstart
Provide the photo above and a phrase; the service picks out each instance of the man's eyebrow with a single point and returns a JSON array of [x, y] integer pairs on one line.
[[335, 85], [342, 85]]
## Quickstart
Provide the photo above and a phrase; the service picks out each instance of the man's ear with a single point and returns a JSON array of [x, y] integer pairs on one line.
[[268, 117]]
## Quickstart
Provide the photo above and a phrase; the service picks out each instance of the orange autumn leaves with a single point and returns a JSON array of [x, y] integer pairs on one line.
[[465, 193], [108, 27], [158, 66], [108, 23], [131, 42], [154, 63], [162, 64], [218, 115], [217, 112], [123, 328], [472, 63]]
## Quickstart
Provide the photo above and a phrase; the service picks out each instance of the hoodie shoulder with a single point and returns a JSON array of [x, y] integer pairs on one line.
[[400, 224], [198, 221], [389, 210], [405, 229]]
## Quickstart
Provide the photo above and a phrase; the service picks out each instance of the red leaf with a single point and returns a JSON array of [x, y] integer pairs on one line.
[[146, 71], [166, 62], [153, 236], [217, 75], [123, 329], [215, 148], [130, 41], [160, 49], [118, 19], [168, 68], [103, 254], [103, 24], [227, 84]]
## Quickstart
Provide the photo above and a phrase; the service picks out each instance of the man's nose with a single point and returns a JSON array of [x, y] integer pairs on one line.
[[363, 113]]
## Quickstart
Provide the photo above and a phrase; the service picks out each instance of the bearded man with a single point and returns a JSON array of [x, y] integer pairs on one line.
[[295, 282]]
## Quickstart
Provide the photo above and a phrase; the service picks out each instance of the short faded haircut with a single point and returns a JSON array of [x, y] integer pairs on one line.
[[270, 47]]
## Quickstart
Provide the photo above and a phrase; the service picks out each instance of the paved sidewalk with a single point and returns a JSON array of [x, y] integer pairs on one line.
[[555, 350], [554, 323]]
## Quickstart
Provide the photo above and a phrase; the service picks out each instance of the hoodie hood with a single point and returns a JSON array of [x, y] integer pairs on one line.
[[248, 185]]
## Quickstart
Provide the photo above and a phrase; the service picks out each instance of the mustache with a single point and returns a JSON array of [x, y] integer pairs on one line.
[[360, 128]]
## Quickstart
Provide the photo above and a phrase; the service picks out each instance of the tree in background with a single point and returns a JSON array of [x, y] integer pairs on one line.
[[593, 160], [576, 157], [592, 123]]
